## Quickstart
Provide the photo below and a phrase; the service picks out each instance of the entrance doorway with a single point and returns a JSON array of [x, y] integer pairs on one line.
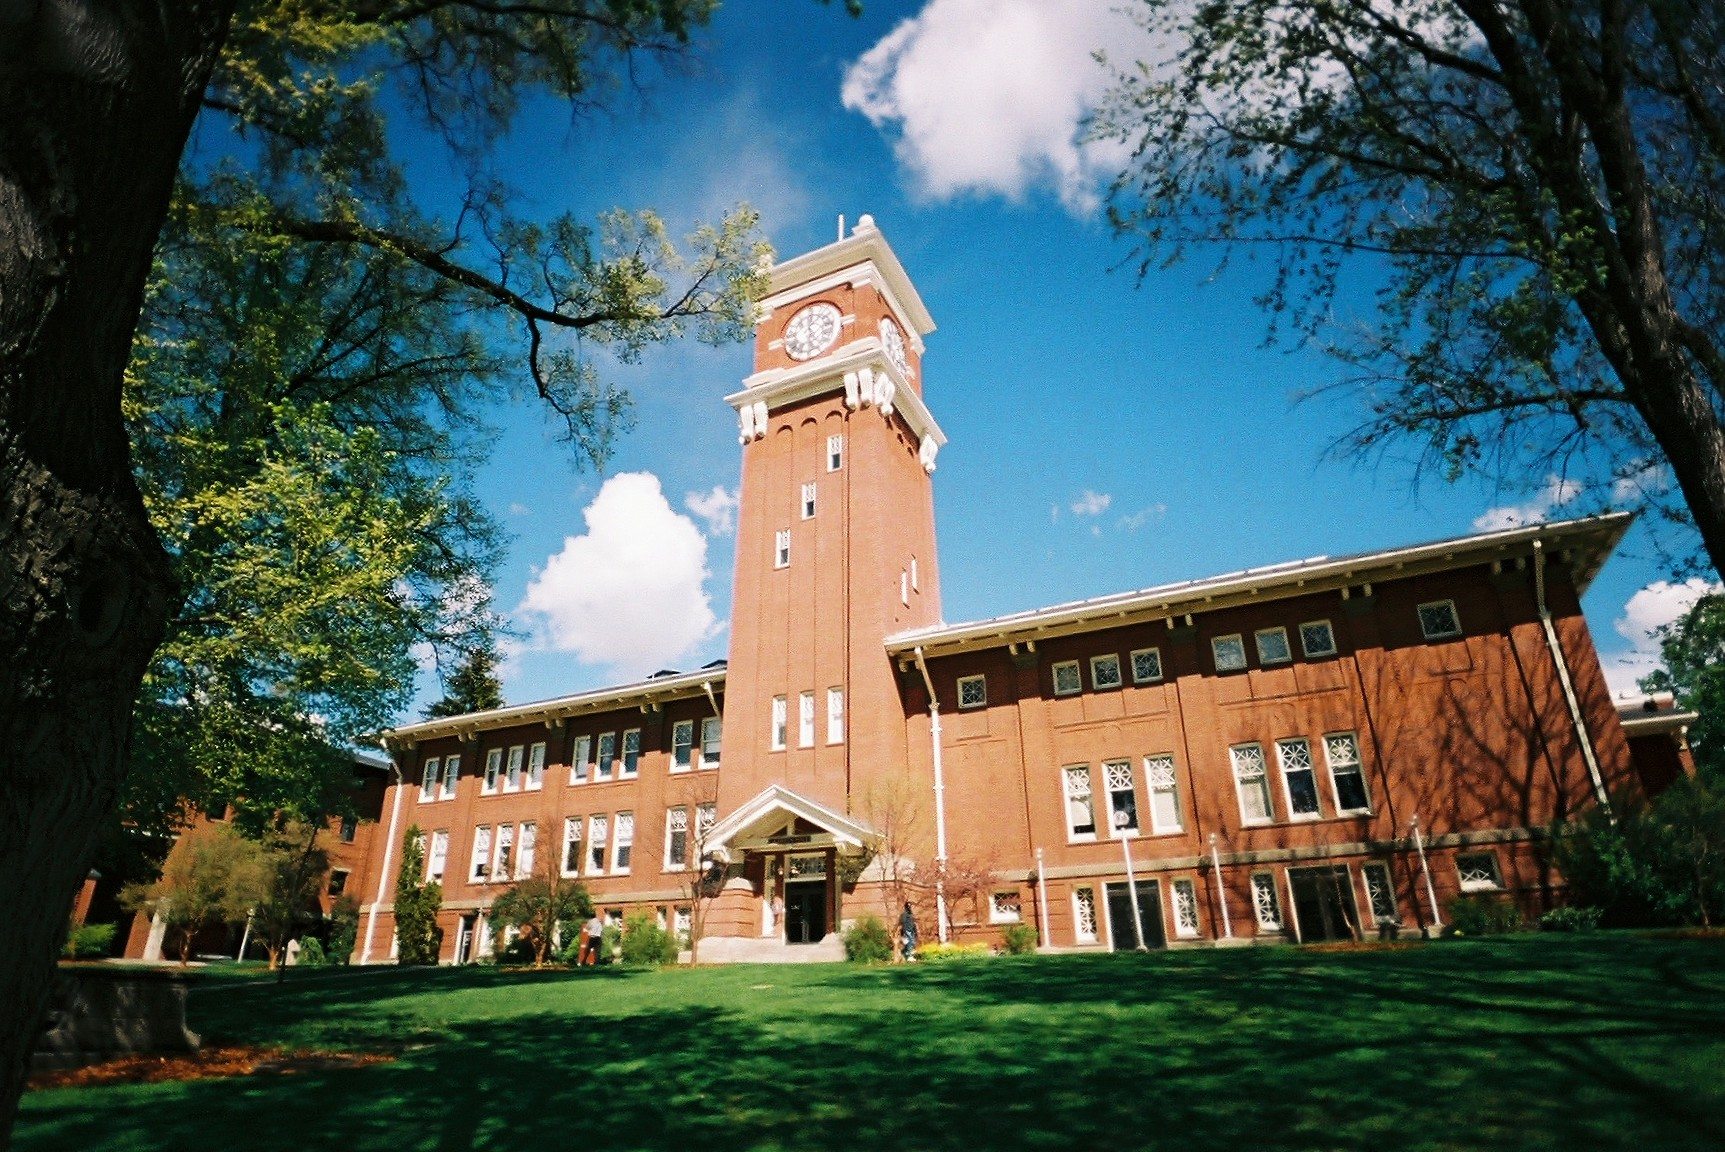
[[464, 939], [805, 911], [1122, 932], [1323, 903]]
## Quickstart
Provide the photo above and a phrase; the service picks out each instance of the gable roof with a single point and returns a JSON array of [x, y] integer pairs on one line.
[[771, 807]]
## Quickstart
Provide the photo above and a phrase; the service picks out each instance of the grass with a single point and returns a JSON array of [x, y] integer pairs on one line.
[[1535, 1042]]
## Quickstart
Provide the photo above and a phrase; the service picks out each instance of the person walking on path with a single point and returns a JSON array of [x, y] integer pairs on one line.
[[593, 933], [907, 933]]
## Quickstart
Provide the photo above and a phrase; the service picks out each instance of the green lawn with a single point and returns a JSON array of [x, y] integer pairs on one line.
[[1571, 1044]]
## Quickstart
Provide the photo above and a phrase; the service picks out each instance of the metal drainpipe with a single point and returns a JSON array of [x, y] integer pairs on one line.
[[939, 798], [1581, 733], [388, 852], [1042, 900]]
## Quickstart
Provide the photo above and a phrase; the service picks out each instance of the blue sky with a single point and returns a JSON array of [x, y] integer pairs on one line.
[[1105, 433]]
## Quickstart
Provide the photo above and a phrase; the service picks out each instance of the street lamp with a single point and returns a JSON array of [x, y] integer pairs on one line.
[[1121, 820], [1221, 892]]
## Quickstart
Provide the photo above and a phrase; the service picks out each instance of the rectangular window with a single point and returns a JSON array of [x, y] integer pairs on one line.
[[809, 501], [1317, 638], [782, 548], [1185, 908], [1266, 904], [806, 720], [451, 773], [1084, 915], [676, 839], [904, 587], [598, 831], [624, 845], [1273, 646], [1478, 871], [1229, 653], [349, 829], [1380, 891], [972, 691], [778, 733], [536, 766], [438, 858], [428, 781], [1080, 810], [1438, 620], [1146, 666], [835, 453], [524, 856], [1301, 783], [571, 845], [607, 756], [683, 923], [835, 715], [1164, 794], [1347, 779], [512, 776], [631, 754], [481, 853], [1252, 783], [682, 745], [1066, 680], [579, 759], [712, 729], [706, 815], [1104, 672], [1122, 798], [493, 769], [915, 584], [337, 881], [1005, 907], [504, 855]]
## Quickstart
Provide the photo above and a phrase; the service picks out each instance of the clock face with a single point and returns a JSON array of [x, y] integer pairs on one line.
[[812, 331], [893, 340]]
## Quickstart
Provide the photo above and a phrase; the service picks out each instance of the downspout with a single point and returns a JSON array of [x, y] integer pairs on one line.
[[1569, 696], [939, 798], [388, 852]]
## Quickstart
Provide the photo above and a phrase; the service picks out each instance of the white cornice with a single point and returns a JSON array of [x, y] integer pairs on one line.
[[777, 387], [863, 255]]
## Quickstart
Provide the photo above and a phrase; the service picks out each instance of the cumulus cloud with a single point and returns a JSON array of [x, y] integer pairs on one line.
[[1091, 503], [716, 509], [987, 96], [517, 508], [1556, 493], [1641, 480], [1650, 609], [1132, 521], [631, 592]]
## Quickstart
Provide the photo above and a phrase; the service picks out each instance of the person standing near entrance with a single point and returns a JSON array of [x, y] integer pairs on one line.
[[907, 933], [593, 933]]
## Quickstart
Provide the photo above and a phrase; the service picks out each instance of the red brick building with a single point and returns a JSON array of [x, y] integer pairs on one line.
[[1294, 753]]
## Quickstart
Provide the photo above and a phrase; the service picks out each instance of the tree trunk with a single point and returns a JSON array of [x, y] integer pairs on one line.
[[98, 102]]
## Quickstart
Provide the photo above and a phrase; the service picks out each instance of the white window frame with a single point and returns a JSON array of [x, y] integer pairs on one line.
[[1455, 620], [672, 864], [1264, 783], [1073, 835], [622, 843], [1079, 933], [629, 755], [1098, 663], [1183, 891], [706, 816], [502, 852], [683, 746], [1130, 791], [904, 587], [437, 856], [1077, 678], [598, 840], [512, 773], [1358, 767], [581, 760], [430, 780], [805, 720], [572, 839], [782, 548], [779, 723], [1155, 656], [1494, 885], [1012, 915], [536, 766], [526, 848], [451, 774], [979, 681], [915, 583], [604, 759], [1386, 878], [835, 453], [479, 862], [1275, 634], [1152, 768], [1234, 640], [1312, 653], [835, 715], [493, 772], [1283, 758], [1272, 918], [717, 726], [807, 507]]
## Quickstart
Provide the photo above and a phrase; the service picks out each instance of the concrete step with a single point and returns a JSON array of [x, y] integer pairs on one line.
[[761, 950]]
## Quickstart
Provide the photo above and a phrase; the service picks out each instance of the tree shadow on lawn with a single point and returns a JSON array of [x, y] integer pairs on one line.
[[1119, 1054]]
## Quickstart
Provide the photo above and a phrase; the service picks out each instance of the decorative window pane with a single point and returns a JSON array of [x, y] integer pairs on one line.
[[1346, 776], [1252, 782], [1080, 812], [1066, 680], [631, 753], [481, 853], [1185, 908], [1273, 646], [1297, 775], [806, 720], [1122, 798], [1229, 652], [972, 691], [778, 723], [524, 855], [1478, 871], [1164, 793], [1146, 666], [1380, 890], [579, 759], [1265, 903], [1005, 908], [677, 838], [782, 548], [571, 845], [438, 858], [493, 769], [706, 815], [1104, 672], [835, 453], [428, 781], [512, 778], [712, 729], [1084, 915], [624, 848], [683, 922], [536, 766], [451, 773], [682, 745], [607, 756], [809, 501], [1317, 639], [505, 852], [835, 715], [1438, 620], [598, 831]]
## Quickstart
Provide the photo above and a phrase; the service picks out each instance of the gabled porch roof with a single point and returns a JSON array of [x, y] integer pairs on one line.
[[771, 809]]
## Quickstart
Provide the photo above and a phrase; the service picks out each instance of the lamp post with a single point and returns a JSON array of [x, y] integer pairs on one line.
[[1042, 899], [1426, 872], [1221, 892], [1121, 820]]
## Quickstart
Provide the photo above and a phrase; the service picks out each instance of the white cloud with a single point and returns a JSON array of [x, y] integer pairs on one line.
[[1653, 607], [987, 96], [631, 592], [1091, 503], [1642, 480], [717, 509], [517, 508], [1132, 521], [1556, 493]]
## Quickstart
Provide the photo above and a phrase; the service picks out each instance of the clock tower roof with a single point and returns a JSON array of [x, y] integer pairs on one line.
[[864, 248]]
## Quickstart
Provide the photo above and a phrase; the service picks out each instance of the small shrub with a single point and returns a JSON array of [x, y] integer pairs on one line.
[[610, 943], [89, 941], [311, 952], [343, 929], [868, 942], [938, 951], [1570, 918], [645, 944], [1019, 939], [1482, 915], [517, 951]]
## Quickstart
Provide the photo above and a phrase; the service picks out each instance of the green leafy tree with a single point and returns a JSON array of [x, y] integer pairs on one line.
[[418, 938], [1693, 652], [294, 871], [472, 687], [538, 905], [216, 877], [1660, 863], [1538, 184]]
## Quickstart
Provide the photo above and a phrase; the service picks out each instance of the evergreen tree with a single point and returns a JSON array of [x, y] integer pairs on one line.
[[418, 938], [472, 687]]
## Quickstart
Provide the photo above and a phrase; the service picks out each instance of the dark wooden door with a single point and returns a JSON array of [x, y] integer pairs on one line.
[[1122, 933], [805, 911], [1323, 901]]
